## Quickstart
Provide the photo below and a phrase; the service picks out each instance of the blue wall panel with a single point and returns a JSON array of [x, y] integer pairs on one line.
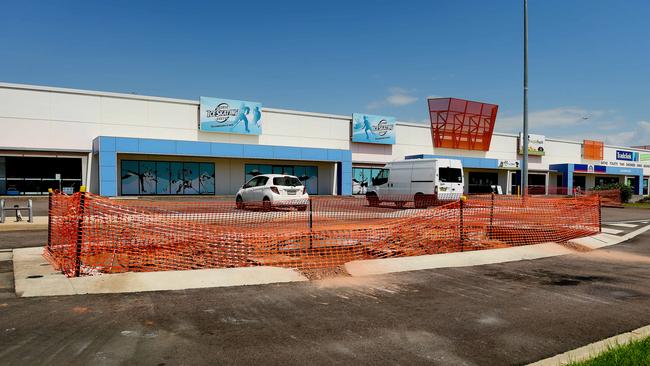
[[108, 159], [107, 143], [193, 148], [108, 188], [258, 151], [126, 145], [334, 155], [150, 146], [468, 162], [286, 152], [226, 150]]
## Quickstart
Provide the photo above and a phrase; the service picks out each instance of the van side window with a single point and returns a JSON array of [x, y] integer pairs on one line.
[[450, 175], [381, 178]]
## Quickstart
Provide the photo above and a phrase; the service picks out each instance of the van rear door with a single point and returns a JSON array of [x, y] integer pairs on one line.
[[450, 183]]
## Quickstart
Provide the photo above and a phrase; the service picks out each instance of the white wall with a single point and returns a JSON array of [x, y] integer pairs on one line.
[[63, 119]]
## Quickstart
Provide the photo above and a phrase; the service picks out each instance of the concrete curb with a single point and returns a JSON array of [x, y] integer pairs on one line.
[[479, 257], [40, 223], [34, 276], [593, 349], [460, 259], [604, 240]]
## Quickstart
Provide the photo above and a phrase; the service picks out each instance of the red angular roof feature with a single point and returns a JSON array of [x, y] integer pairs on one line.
[[461, 124]]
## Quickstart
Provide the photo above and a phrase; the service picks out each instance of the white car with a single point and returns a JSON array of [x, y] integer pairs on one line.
[[273, 189]]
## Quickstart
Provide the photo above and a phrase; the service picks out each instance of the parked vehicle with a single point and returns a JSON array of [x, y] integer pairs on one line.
[[268, 189], [423, 181]]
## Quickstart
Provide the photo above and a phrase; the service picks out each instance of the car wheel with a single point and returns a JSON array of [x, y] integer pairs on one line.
[[239, 202], [266, 204]]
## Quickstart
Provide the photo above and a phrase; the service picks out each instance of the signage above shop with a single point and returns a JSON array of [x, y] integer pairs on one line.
[[535, 144], [644, 157], [626, 164], [589, 168], [230, 116], [627, 155], [373, 129], [508, 164]]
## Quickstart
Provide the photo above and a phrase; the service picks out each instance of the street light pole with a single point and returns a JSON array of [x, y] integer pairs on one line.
[[524, 169]]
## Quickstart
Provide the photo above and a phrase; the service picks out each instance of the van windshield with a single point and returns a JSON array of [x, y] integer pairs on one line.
[[287, 181], [450, 175]]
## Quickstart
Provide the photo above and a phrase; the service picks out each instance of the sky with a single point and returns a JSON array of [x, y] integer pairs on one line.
[[589, 60]]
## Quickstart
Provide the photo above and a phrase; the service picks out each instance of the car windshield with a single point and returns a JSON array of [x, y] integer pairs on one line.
[[451, 175], [287, 181]]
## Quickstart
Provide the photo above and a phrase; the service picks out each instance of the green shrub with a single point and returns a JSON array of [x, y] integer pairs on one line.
[[626, 191]]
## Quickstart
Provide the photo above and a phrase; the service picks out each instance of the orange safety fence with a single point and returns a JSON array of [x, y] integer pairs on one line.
[[91, 234], [608, 197]]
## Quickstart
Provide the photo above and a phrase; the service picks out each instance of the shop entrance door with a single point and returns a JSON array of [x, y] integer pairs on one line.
[[482, 182], [514, 182], [536, 183], [579, 181]]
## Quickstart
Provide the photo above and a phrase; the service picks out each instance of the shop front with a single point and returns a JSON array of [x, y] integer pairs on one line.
[[131, 166], [588, 176]]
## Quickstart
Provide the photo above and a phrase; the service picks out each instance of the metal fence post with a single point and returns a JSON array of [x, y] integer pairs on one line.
[[491, 218], [462, 226], [49, 219], [311, 223], [2, 211], [30, 207], [600, 215], [80, 231]]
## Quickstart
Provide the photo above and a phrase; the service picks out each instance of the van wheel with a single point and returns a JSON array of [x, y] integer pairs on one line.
[[373, 200], [419, 201], [239, 202], [266, 204], [399, 204]]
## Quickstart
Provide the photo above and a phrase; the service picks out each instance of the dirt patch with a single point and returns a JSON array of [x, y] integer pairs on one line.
[[326, 273], [615, 256], [576, 247]]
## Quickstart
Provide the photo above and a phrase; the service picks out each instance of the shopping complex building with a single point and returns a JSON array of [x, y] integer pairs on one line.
[[126, 144]]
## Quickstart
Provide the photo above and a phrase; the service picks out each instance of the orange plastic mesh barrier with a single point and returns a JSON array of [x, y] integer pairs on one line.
[[91, 234], [608, 198]]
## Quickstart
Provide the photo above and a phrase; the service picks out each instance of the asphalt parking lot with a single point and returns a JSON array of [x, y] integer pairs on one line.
[[510, 313]]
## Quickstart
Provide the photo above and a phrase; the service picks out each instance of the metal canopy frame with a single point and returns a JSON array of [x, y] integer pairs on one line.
[[461, 124]]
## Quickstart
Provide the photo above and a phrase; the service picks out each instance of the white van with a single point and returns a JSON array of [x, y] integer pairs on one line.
[[423, 181]]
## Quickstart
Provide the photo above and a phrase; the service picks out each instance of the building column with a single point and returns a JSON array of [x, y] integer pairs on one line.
[[639, 184]]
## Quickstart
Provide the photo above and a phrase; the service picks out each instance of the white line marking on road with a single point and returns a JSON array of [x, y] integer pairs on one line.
[[611, 231], [624, 225], [641, 221]]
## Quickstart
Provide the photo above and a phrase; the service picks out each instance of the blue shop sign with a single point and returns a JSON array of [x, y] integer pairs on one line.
[[373, 129], [230, 116], [627, 155]]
